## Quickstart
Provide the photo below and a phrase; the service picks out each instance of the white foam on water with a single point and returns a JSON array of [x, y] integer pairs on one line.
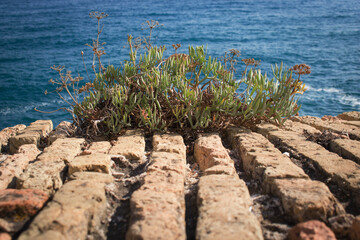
[[327, 90], [350, 100]]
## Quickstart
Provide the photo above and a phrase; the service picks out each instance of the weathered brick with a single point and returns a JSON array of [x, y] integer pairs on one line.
[[31, 134], [313, 229], [346, 148], [158, 207], [209, 151], [350, 116], [95, 176], [223, 203], [299, 127], [97, 162], [353, 131], [9, 132], [61, 131], [98, 147], [304, 199], [223, 198], [17, 206], [345, 173], [261, 159], [13, 166], [75, 211], [47, 173], [131, 145]]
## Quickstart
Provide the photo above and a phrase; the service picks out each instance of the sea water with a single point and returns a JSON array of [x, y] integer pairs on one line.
[[37, 34]]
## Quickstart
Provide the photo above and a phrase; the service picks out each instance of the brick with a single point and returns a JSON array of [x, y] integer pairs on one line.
[[353, 131], [346, 148], [261, 159], [75, 212], [209, 151], [31, 134], [97, 162], [299, 127], [350, 116], [98, 147], [17, 206], [131, 145], [314, 229], [47, 173], [223, 199], [61, 131], [158, 207], [13, 166], [9, 132], [96, 176], [223, 203], [345, 173], [304, 199]]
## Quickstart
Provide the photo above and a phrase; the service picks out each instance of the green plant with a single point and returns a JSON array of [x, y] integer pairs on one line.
[[182, 91]]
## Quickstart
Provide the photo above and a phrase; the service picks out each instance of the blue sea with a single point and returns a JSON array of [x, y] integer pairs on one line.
[[37, 34]]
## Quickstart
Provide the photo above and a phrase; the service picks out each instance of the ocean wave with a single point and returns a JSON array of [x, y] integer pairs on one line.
[[350, 100], [327, 90]]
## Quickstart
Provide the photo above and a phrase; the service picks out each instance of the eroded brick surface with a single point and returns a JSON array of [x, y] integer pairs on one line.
[[261, 159], [131, 145], [304, 199], [97, 162], [209, 152], [224, 212], [353, 131], [158, 207], [17, 206], [350, 116], [31, 134], [75, 212], [346, 148], [9, 132], [47, 173], [13, 166], [345, 173], [311, 230]]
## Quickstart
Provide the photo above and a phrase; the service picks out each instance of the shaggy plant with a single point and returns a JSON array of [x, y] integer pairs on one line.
[[185, 91]]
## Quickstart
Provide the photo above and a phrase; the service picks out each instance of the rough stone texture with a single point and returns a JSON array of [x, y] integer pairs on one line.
[[17, 206], [14, 165], [209, 151], [224, 211], [346, 148], [172, 143], [311, 230], [31, 134], [47, 173], [341, 224], [75, 212], [261, 159], [353, 131], [299, 127], [158, 207], [304, 199], [131, 145], [345, 173], [102, 177], [62, 149], [9, 132], [61, 131], [354, 123], [354, 231], [350, 116], [97, 162], [98, 147]]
